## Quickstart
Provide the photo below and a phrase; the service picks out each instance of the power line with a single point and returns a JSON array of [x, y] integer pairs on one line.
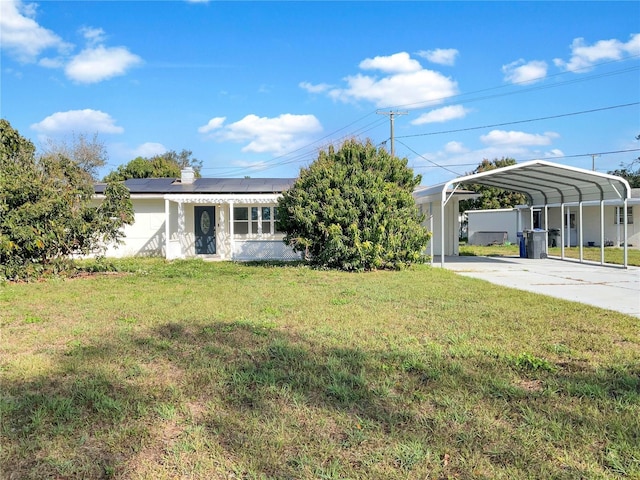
[[306, 154], [521, 121]]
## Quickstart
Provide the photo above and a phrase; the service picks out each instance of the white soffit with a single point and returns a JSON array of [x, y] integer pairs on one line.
[[546, 183]]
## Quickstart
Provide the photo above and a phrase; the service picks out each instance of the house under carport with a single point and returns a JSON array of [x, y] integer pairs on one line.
[[548, 186]]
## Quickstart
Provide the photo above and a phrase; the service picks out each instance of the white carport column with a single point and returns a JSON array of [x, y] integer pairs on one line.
[[601, 232], [442, 205], [546, 227], [231, 241], [167, 231], [562, 231], [626, 231], [580, 237]]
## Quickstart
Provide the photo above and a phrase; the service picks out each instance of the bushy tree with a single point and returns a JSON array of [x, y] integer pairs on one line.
[[89, 154], [46, 209], [353, 209], [492, 197], [166, 165]]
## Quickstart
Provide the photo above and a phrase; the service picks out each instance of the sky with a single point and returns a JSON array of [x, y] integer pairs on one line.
[[259, 88]]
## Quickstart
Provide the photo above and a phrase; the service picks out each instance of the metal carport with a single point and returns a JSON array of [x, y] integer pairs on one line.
[[546, 184]]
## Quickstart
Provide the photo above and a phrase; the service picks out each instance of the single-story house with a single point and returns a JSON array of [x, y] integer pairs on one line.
[[235, 219], [211, 218], [232, 218]]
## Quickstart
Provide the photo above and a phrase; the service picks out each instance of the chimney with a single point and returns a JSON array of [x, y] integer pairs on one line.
[[187, 176]]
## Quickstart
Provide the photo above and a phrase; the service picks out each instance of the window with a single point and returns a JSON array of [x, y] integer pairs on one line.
[[619, 220], [254, 221], [241, 220]]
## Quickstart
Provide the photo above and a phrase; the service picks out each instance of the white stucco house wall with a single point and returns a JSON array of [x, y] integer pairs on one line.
[[216, 219], [513, 220]]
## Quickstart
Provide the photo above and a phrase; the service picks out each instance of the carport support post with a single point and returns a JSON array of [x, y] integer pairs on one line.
[[625, 231], [546, 226], [562, 232], [601, 232], [231, 242], [580, 239], [442, 205]]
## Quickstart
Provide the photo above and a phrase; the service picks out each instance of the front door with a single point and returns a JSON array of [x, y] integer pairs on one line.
[[205, 230]]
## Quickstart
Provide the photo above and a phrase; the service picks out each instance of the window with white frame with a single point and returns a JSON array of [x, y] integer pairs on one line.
[[619, 220], [254, 220]]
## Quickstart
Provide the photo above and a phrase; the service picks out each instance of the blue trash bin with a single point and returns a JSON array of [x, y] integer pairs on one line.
[[523, 245]]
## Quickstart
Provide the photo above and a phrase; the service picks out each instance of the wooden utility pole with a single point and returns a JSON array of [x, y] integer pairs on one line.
[[391, 117]]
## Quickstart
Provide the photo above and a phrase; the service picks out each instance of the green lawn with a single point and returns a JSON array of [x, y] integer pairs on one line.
[[611, 255], [218, 370]]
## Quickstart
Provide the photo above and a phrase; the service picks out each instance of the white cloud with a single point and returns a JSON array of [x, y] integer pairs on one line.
[[148, 149], [78, 121], [513, 138], [408, 88], [213, 124], [275, 135], [441, 115], [397, 63], [553, 153], [319, 88], [95, 64], [584, 56], [441, 56], [22, 36], [525, 72], [93, 36], [455, 147]]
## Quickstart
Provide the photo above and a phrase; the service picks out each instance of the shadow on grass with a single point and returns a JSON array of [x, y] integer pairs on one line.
[[265, 403]]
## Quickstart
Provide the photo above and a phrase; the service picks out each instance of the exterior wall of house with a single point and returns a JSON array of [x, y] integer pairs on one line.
[[146, 235], [485, 225], [430, 207], [613, 232], [507, 220]]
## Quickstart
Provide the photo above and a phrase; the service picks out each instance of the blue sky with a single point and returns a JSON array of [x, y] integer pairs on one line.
[[257, 88]]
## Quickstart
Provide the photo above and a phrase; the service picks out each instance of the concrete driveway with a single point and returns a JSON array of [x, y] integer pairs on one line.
[[613, 288]]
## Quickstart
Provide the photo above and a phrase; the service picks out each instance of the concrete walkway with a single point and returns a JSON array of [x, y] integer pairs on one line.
[[609, 287]]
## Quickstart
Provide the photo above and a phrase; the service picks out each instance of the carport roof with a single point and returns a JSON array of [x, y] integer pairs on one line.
[[546, 183]]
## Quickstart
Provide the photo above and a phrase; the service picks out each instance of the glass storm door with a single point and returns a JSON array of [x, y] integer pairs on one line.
[[205, 230]]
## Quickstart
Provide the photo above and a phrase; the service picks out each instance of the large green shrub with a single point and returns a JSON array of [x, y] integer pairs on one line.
[[353, 209], [47, 210]]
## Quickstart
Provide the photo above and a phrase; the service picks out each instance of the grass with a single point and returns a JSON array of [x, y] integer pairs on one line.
[[218, 370], [611, 255]]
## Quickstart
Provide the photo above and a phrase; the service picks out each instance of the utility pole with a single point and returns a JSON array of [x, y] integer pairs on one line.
[[391, 117], [593, 161]]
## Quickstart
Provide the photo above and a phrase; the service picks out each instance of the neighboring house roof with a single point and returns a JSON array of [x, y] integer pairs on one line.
[[203, 185]]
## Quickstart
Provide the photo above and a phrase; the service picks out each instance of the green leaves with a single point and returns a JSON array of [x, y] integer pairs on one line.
[[353, 209], [492, 197], [47, 211]]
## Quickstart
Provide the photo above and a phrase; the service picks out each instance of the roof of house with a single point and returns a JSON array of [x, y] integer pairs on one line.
[[203, 185]]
